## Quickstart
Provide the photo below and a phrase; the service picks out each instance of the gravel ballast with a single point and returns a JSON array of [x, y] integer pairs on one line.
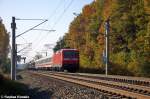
[[42, 87]]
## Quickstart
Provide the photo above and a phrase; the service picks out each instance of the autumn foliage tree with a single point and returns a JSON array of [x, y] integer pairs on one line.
[[4, 42], [129, 36]]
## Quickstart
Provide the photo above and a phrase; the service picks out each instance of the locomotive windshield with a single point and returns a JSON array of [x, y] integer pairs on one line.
[[71, 54]]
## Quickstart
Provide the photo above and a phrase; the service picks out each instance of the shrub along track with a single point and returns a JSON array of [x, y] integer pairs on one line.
[[117, 87]]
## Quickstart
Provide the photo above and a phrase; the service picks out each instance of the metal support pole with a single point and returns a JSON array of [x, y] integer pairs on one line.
[[107, 45], [15, 59], [46, 53], [13, 51], [60, 45]]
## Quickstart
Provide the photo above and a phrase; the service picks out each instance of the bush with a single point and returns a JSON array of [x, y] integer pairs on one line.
[[91, 70], [6, 66]]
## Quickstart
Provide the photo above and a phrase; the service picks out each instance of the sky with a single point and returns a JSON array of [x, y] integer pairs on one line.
[[58, 12]]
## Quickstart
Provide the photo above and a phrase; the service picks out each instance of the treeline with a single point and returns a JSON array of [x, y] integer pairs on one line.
[[129, 36], [4, 49]]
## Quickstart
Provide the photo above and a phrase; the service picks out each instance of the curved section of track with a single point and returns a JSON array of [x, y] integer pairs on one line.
[[111, 88]]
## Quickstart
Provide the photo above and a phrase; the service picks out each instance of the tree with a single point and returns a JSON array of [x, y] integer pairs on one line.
[[60, 44], [129, 35], [4, 42]]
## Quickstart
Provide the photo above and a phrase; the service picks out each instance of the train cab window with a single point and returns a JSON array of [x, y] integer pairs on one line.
[[70, 54]]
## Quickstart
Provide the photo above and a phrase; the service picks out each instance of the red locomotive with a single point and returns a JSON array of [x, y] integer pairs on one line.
[[64, 59]]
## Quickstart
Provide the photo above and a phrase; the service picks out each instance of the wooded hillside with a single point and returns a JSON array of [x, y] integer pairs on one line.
[[129, 36]]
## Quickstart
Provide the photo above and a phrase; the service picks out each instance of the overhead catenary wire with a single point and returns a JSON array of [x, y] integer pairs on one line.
[[58, 20], [28, 31], [31, 19], [60, 17], [52, 14], [24, 39], [31, 28], [44, 30], [49, 18]]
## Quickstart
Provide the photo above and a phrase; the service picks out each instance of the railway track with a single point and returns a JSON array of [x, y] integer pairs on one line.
[[110, 86], [123, 79]]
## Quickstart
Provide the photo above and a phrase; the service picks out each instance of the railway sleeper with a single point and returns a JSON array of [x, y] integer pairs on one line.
[[115, 95], [125, 88], [129, 89], [145, 92], [120, 87], [146, 84], [137, 82], [109, 92]]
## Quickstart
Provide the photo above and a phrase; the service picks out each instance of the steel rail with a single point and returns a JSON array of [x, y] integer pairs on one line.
[[123, 86], [107, 89], [122, 79]]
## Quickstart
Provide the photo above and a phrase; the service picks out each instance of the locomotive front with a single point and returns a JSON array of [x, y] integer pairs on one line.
[[70, 59]]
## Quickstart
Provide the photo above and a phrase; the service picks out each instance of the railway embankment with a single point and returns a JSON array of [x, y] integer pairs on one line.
[[18, 90], [57, 89], [11, 88]]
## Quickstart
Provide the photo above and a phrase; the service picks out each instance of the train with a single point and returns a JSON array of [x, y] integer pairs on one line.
[[64, 59]]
